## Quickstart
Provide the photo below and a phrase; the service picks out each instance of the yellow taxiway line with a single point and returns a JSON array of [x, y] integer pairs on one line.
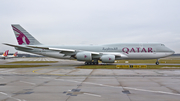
[[36, 71]]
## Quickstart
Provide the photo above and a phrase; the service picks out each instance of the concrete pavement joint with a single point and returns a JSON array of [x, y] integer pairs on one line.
[[10, 96], [92, 94], [130, 88], [27, 82]]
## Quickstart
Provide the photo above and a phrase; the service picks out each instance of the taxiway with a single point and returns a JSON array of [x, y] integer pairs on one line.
[[63, 82]]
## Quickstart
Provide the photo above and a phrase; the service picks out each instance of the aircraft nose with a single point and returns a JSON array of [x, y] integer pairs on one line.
[[171, 51]]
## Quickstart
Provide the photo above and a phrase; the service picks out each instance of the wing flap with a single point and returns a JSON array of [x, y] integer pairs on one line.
[[59, 49], [117, 54]]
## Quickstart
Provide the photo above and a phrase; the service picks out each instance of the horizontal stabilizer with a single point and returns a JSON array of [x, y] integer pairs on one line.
[[18, 46]]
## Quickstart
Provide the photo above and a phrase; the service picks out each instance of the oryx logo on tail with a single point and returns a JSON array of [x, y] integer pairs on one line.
[[21, 38]]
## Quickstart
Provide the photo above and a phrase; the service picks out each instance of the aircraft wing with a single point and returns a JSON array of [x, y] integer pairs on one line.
[[53, 49], [61, 50], [73, 52], [65, 51]]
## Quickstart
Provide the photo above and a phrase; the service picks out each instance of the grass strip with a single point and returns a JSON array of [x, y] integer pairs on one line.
[[20, 66], [33, 62], [149, 61], [114, 67]]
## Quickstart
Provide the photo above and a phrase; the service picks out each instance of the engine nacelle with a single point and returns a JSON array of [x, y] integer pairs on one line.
[[108, 58], [84, 56]]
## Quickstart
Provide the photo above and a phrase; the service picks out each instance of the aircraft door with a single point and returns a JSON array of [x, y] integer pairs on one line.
[[141, 46], [154, 51]]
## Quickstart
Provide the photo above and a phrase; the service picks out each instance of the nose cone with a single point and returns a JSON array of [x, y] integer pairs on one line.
[[170, 51], [173, 52]]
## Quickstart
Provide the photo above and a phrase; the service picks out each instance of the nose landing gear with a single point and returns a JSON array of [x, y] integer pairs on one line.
[[157, 62]]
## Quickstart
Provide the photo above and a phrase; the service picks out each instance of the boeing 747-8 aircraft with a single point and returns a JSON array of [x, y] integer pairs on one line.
[[90, 54]]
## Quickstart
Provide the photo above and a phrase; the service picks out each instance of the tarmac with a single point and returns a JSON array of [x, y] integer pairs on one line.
[[63, 82]]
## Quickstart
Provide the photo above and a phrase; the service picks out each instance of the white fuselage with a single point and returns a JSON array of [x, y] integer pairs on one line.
[[126, 51]]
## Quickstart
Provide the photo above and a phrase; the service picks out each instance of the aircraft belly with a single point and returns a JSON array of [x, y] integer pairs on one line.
[[146, 55]]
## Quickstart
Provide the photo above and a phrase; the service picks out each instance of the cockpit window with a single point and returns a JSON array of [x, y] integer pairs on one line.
[[162, 45]]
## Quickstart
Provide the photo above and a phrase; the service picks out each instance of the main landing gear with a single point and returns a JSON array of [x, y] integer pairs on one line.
[[157, 62], [94, 62], [91, 63]]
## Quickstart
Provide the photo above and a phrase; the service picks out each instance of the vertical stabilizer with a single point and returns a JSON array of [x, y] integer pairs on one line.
[[15, 54], [23, 37], [5, 53]]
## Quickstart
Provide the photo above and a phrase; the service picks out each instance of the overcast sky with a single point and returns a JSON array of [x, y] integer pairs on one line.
[[85, 22]]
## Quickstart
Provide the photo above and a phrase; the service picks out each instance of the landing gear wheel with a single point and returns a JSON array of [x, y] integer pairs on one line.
[[157, 63], [96, 63], [91, 63]]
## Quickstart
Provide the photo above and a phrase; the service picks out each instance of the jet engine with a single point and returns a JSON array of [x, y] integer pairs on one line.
[[108, 58], [84, 56]]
